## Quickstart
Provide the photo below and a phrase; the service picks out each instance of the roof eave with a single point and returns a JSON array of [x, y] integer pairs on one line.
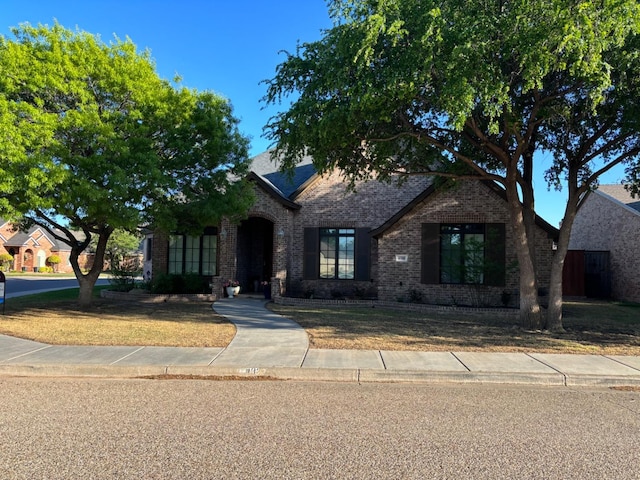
[[552, 232]]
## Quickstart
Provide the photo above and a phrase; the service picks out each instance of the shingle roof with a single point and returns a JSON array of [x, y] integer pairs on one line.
[[620, 194], [286, 185]]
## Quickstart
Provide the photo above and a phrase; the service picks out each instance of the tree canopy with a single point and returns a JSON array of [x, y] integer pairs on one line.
[[92, 139], [470, 89]]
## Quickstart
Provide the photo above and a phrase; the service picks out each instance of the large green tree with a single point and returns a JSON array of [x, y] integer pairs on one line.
[[93, 140], [470, 89]]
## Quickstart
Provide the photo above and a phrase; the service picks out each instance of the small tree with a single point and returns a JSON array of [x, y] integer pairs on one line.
[[121, 243], [93, 140], [54, 261], [6, 260]]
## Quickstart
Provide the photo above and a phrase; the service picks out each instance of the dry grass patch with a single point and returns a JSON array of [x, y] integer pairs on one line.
[[592, 328], [107, 322]]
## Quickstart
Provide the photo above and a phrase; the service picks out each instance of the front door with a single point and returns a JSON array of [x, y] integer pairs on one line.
[[254, 253]]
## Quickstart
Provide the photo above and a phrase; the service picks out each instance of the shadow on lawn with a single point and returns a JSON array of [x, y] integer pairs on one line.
[[590, 328]]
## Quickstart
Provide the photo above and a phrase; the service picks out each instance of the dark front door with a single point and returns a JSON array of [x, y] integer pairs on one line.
[[255, 253]]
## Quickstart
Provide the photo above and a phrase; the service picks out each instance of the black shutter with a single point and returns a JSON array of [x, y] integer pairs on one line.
[[363, 254], [495, 254], [430, 269], [311, 254]]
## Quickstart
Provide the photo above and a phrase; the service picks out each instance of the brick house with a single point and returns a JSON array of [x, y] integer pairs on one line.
[[31, 249], [310, 236], [608, 221]]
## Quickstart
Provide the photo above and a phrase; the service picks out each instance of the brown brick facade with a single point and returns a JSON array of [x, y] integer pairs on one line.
[[467, 202], [326, 202]]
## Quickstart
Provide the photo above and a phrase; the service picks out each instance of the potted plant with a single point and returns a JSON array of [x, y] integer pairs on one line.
[[232, 287]]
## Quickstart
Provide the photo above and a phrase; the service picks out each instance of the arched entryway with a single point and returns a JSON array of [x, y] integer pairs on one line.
[[254, 253]]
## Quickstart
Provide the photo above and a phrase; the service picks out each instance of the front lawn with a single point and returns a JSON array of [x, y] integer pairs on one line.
[[55, 318], [591, 328]]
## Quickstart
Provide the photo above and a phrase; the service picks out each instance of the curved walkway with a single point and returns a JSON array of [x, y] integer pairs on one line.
[[263, 338]]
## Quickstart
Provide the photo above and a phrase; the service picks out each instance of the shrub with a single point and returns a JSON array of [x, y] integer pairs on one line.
[[54, 260], [415, 296], [194, 283], [190, 283], [123, 278], [5, 261]]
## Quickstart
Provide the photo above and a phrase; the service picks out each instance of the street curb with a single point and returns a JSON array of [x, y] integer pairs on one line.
[[99, 371], [347, 375], [586, 380]]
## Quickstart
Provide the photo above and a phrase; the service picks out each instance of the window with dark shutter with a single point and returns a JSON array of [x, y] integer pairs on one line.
[[495, 255], [465, 253], [363, 254], [337, 253], [310, 266], [430, 268]]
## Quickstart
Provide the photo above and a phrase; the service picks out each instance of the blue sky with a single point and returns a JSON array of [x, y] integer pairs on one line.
[[227, 46]]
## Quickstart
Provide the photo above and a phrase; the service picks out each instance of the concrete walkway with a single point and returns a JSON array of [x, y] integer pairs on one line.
[[268, 345]]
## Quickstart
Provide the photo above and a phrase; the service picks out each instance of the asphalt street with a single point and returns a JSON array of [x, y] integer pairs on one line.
[[155, 429], [24, 285]]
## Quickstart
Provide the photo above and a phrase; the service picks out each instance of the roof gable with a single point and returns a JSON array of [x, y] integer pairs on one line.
[[620, 196], [551, 231]]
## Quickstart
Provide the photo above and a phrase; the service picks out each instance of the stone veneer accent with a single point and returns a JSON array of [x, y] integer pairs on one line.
[[602, 224]]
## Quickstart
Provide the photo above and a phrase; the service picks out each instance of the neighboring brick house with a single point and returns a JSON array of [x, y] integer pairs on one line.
[[608, 220], [310, 236], [31, 249]]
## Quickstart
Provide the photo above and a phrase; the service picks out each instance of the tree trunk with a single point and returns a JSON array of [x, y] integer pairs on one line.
[[554, 314], [530, 312], [87, 281]]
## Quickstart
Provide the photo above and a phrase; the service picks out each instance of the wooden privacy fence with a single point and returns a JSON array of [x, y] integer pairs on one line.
[[586, 274]]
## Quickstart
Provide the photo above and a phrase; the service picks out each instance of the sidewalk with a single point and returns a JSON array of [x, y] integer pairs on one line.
[[270, 346]]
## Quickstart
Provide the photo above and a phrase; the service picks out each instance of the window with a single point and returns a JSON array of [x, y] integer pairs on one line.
[[463, 253], [462, 257], [190, 254], [337, 253]]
